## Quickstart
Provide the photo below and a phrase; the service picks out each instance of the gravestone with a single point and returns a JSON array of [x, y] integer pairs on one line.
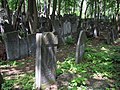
[[58, 30], [23, 48], [80, 48], [12, 45], [45, 60], [31, 40], [67, 30]]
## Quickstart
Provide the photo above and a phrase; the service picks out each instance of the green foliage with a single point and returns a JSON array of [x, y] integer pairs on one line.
[[98, 61], [12, 4], [70, 40], [25, 82]]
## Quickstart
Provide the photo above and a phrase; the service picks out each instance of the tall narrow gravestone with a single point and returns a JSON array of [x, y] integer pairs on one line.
[[45, 60], [67, 30], [80, 48], [12, 45]]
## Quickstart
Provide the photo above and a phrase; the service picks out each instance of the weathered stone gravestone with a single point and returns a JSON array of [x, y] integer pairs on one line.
[[18, 48], [58, 30], [23, 48], [66, 30], [31, 40], [80, 48], [12, 45], [45, 60]]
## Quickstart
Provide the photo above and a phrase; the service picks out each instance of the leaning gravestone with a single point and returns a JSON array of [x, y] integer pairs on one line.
[[80, 48], [45, 60]]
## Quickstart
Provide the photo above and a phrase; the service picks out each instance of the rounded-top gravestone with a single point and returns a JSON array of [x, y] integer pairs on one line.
[[80, 48]]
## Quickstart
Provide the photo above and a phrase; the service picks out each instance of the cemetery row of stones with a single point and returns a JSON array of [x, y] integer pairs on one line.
[[65, 27], [104, 29]]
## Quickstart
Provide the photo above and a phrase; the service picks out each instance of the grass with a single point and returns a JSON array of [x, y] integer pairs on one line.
[[100, 62]]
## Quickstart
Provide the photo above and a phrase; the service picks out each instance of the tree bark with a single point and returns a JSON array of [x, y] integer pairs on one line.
[[118, 17], [104, 8], [54, 8], [80, 17], [74, 6], [95, 9], [49, 4], [59, 6], [6, 6], [32, 16], [86, 10], [18, 12]]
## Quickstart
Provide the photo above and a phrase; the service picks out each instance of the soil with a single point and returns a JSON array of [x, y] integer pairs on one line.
[[63, 51]]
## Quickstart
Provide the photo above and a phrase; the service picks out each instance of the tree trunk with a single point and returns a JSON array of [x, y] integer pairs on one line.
[[118, 17], [91, 9], [59, 6], [6, 6], [54, 8], [104, 8], [18, 12], [24, 6], [86, 10], [49, 4], [98, 7], [32, 16], [95, 9], [80, 17], [74, 6]]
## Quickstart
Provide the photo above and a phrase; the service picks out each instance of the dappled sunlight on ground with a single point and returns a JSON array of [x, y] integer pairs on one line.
[[12, 70]]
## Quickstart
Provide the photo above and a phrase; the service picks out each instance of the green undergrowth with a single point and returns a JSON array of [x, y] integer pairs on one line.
[[22, 81], [100, 60]]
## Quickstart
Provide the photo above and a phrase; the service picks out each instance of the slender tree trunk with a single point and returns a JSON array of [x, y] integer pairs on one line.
[[24, 6], [59, 6], [104, 8], [18, 12], [91, 9], [86, 10], [80, 17], [35, 15], [95, 9], [6, 6], [49, 4], [32, 16], [98, 6], [54, 8], [74, 6], [118, 17]]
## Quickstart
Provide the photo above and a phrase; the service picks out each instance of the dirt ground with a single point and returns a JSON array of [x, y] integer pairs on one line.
[[29, 66]]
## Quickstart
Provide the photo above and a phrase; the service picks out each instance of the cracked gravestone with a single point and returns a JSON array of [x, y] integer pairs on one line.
[[80, 47], [46, 60]]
